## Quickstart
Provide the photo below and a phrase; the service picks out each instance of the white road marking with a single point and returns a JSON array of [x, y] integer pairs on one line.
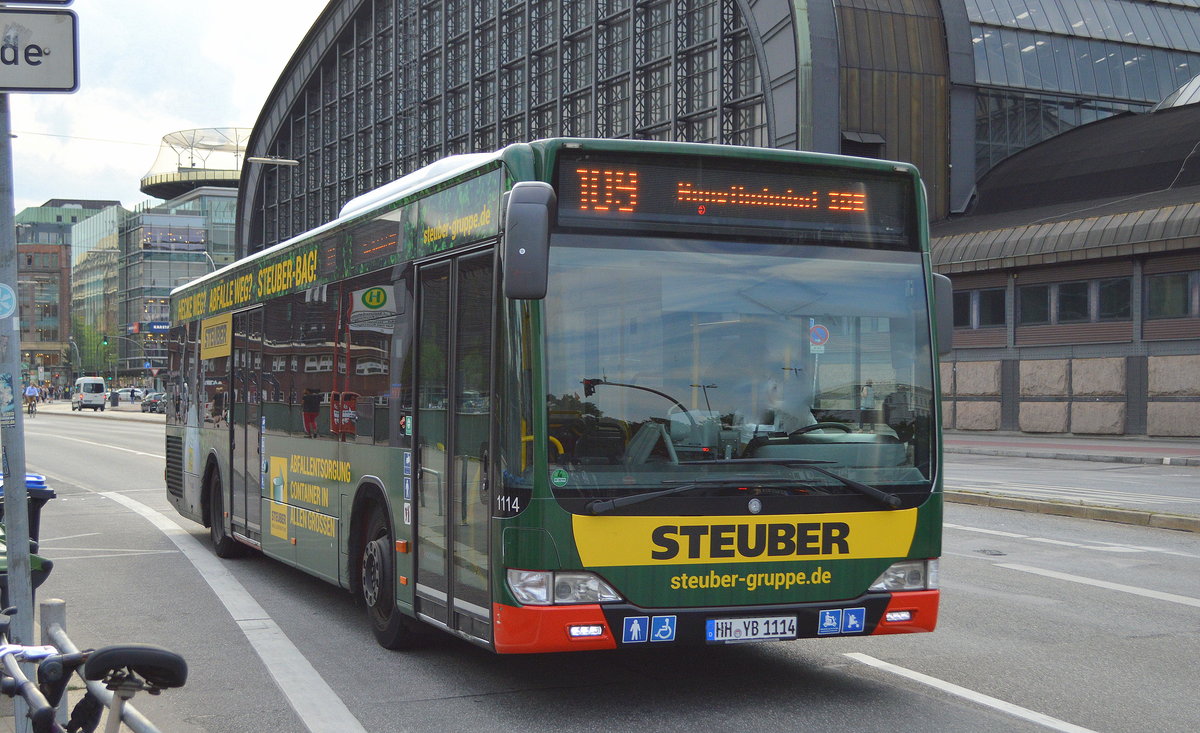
[[976, 697], [70, 537], [1134, 590], [119, 553], [315, 702], [1098, 547], [105, 446]]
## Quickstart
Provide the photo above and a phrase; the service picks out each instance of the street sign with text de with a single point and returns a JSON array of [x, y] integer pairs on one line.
[[39, 51]]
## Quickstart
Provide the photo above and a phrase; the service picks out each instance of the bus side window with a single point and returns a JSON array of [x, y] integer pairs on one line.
[[314, 340], [366, 342], [280, 398]]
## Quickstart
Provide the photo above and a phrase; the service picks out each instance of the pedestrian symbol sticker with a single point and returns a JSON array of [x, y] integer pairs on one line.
[[662, 628], [854, 620], [830, 622], [636, 629]]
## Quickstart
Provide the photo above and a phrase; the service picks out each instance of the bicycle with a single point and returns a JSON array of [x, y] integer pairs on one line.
[[124, 670], [31, 406]]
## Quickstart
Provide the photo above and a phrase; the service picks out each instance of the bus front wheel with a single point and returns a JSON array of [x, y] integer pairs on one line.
[[392, 629]]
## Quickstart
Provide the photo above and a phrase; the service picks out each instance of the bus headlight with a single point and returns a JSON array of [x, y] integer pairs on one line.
[[544, 587], [909, 575]]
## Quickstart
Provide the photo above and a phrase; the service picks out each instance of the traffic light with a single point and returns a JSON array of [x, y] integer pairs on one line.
[[104, 340]]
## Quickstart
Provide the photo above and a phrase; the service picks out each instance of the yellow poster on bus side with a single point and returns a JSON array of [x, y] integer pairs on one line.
[[216, 336]]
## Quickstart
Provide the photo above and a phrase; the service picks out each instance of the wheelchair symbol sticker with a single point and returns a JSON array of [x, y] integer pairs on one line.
[[830, 622], [662, 628]]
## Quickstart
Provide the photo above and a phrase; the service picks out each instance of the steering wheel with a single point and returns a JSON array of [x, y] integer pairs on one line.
[[821, 426]]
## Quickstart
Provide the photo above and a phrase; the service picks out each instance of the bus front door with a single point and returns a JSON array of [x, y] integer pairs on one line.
[[245, 508], [452, 442]]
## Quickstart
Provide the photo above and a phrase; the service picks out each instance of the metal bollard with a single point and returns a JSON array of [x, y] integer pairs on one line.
[[53, 613]]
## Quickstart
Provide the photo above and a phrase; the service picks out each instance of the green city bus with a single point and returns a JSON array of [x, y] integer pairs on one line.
[[584, 394]]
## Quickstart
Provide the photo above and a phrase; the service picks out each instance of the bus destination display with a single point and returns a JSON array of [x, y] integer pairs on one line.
[[601, 191]]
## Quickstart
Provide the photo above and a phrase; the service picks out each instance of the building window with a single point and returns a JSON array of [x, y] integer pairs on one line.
[[1113, 300], [962, 309], [979, 308], [991, 308], [1072, 302], [1173, 295], [1087, 301], [1035, 304]]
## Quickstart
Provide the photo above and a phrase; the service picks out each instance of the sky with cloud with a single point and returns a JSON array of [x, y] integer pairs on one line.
[[148, 68]]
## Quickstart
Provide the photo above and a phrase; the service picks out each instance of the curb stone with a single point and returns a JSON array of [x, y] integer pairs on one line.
[[1158, 520]]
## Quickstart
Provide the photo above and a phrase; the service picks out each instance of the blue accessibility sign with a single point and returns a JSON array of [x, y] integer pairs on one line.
[[830, 622], [636, 629], [854, 620], [662, 628]]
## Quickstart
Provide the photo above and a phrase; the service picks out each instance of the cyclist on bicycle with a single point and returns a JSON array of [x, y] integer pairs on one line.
[[32, 394]]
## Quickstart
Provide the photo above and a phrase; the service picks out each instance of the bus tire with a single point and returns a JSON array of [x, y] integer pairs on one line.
[[392, 628], [224, 546]]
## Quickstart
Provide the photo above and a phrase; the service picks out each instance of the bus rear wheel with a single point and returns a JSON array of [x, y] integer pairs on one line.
[[392, 629], [224, 546]]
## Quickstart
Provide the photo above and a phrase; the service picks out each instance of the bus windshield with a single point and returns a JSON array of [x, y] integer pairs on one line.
[[725, 370]]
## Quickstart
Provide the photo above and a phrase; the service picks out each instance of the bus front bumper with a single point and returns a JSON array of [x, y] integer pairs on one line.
[[537, 629]]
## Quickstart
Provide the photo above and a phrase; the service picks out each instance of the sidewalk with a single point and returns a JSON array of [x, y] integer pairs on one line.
[[123, 411], [1122, 449], [1116, 449]]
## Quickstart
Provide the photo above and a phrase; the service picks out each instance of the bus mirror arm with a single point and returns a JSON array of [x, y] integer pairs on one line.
[[527, 218], [943, 303]]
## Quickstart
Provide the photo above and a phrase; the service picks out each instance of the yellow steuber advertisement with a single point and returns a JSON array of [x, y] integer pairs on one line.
[[216, 336], [735, 560]]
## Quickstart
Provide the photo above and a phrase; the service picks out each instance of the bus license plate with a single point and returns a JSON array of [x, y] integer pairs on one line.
[[762, 628]]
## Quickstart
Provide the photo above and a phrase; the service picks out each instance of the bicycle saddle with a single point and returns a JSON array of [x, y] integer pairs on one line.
[[160, 668]]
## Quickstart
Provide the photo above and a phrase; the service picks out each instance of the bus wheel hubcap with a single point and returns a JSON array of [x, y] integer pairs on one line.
[[372, 572]]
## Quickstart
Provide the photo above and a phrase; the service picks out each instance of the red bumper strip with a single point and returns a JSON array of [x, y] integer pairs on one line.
[[922, 606], [535, 629]]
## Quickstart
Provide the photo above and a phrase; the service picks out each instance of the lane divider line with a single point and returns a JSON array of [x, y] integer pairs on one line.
[[1144, 592], [1003, 706]]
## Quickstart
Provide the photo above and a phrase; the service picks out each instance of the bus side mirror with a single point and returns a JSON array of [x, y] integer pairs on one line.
[[943, 302], [527, 240]]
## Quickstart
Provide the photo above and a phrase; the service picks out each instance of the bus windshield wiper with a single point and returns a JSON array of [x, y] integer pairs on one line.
[[887, 499], [602, 506]]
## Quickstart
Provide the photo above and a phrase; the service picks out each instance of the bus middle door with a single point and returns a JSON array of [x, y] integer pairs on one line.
[[452, 442], [245, 508]]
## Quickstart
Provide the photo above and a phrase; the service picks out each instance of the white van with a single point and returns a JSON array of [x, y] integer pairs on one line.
[[89, 392]]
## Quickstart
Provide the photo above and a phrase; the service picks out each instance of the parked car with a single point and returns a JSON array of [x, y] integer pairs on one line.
[[153, 402], [130, 394]]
